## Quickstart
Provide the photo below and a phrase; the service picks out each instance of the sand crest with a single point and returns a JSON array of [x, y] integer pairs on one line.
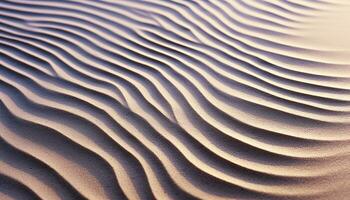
[[174, 99]]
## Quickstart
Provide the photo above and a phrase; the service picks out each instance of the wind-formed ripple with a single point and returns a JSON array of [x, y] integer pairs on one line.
[[158, 99]]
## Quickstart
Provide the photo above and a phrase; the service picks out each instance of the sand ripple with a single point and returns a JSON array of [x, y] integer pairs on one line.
[[175, 99]]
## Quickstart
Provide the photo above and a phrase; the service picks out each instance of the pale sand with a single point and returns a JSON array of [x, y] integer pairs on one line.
[[175, 99]]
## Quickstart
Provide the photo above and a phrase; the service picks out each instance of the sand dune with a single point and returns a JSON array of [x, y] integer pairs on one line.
[[158, 99]]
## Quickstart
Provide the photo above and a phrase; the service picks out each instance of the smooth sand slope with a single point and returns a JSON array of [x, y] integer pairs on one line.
[[175, 99]]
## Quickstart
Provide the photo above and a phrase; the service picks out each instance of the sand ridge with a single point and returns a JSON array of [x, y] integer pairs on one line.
[[158, 99]]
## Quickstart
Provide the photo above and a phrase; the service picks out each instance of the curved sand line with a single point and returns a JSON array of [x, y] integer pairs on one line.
[[171, 100]]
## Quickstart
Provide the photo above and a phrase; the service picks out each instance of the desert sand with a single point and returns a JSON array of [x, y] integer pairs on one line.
[[175, 99]]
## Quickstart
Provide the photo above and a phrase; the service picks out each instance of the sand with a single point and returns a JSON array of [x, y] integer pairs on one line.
[[175, 99]]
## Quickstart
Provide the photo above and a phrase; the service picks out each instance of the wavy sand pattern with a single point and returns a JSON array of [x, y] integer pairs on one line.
[[174, 99]]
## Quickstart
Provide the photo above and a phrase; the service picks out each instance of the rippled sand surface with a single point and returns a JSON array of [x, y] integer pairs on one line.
[[175, 99]]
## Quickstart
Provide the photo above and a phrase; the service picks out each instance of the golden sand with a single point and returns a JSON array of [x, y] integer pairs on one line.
[[175, 99]]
